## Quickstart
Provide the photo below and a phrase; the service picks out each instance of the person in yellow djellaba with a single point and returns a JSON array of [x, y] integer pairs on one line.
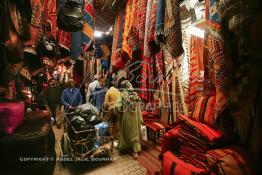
[[131, 119]]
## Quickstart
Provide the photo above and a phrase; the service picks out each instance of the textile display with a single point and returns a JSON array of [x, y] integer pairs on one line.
[[88, 29], [169, 65], [121, 22], [172, 29], [178, 101], [212, 14], [127, 19], [196, 72], [204, 110], [160, 66], [145, 66], [231, 160], [165, 102], [153, 22], [65, 39], [184, 59], [217, 71], [160, 18], [115, 40], [50, 15], [146, 50], [35, 26], [142, 21]]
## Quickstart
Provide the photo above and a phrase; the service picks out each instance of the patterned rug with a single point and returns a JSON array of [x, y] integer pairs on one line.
[[149, 158]]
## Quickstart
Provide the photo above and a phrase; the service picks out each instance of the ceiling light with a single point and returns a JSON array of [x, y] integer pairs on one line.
[[98, 33]]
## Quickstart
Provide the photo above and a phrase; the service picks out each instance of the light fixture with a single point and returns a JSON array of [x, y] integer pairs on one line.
[[193, 30], [98, 33]]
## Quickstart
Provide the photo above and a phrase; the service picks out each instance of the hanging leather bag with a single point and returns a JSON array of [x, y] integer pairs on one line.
[[47, 46], [70, 16]]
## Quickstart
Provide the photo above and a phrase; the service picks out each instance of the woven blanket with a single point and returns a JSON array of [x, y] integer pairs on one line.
[[173, 30], [196, 70], [88, 30], [217, 71], [160, 17]]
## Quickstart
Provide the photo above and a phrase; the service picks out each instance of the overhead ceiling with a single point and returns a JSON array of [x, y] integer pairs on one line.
[[104, 15]]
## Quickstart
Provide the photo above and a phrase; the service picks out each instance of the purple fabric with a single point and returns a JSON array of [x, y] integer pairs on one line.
[[11, 116]]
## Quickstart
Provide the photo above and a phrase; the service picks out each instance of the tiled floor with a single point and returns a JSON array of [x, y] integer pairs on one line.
[[120, 165]]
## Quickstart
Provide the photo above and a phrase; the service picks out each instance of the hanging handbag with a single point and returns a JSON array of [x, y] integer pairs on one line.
[[70, 16], [47, 46]]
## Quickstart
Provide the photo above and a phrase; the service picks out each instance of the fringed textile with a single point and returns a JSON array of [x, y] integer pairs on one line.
[[179, 106]]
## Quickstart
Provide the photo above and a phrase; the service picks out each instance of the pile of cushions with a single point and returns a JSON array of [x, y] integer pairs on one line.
[[191, 147]]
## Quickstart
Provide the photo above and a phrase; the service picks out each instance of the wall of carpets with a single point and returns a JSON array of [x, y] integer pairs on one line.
[[151, 48], [190, 49]]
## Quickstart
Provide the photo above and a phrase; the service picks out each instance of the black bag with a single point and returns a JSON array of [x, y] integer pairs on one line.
[[47, 45], [70, 16]]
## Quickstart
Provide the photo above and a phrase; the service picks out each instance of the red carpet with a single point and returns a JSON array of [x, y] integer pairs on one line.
[[149, 157]]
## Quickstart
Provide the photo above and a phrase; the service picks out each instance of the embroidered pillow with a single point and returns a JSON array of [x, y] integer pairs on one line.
[[204, 110]]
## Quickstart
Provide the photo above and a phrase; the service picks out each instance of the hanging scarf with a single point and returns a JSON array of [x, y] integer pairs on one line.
[[88, 30], [129, 96], [173, 30]]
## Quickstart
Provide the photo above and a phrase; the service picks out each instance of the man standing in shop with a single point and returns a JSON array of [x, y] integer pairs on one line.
[[71, 96], [91, 89]]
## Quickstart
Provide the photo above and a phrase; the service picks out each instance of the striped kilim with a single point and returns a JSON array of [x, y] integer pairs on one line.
[[127, 27], [142, 14], [146, 62], [89, 25], [196, 72]]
